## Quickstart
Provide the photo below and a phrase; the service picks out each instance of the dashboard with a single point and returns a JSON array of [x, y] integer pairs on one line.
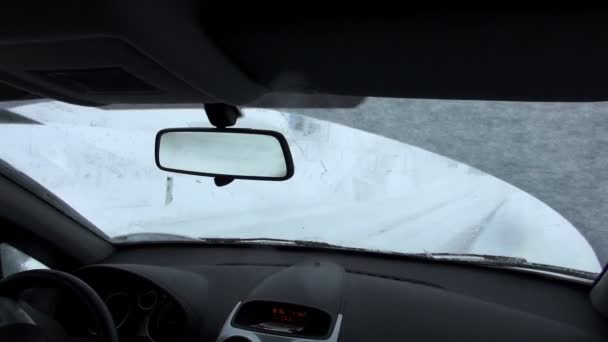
[[158, 294], [155, 304]]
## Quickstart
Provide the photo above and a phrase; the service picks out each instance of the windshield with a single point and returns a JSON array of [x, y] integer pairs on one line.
[[389, 175]]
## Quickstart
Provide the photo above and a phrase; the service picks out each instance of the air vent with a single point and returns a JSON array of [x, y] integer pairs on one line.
[[101, 80]]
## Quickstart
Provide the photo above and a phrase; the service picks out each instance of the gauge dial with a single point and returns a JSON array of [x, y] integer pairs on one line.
[[119, 306], [166, 322], [147, 300]]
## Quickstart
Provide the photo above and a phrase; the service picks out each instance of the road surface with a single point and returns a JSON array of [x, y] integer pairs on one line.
[[558, 152]]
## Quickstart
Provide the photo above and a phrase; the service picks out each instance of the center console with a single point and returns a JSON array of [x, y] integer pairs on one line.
[[302, 302]]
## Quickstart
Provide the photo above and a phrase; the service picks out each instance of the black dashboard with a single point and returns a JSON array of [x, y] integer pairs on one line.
[[241, 294], [158, 304]]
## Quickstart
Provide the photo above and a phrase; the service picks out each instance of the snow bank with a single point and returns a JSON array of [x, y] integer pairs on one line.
[[350, 188]]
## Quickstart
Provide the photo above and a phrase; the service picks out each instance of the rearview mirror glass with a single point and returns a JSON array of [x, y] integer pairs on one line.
[[237, 153]]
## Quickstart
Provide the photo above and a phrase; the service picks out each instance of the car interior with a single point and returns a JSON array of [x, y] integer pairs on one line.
[[207, 54]]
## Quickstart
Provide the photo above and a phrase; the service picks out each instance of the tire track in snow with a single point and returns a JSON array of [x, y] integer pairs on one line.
[[464, 242]]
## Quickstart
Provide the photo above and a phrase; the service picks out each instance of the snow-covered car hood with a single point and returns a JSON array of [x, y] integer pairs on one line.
[[350, 188]]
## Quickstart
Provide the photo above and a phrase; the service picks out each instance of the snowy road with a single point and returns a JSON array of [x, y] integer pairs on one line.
[[350, 188], [558, 152]]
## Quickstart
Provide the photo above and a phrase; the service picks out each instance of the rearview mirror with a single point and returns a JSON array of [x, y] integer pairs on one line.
[[234, 152]]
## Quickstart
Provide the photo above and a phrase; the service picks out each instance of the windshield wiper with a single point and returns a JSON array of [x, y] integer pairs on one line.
[[463, 258], [511, 262], [494, 259], [271, 241], [151, 237], [164, 237], [460, 258]]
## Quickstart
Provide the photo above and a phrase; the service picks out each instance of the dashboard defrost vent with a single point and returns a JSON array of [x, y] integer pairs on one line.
[[413, 281]]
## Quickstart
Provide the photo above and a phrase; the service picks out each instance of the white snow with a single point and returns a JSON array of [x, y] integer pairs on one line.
[[350, 188]]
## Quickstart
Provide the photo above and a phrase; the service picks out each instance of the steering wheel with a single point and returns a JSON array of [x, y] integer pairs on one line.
[[13, 285]]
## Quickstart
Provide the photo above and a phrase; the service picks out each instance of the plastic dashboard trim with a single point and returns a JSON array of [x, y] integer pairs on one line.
[[228, 331]]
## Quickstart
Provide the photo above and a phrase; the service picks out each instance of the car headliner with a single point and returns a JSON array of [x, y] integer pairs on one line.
[[184, 51]]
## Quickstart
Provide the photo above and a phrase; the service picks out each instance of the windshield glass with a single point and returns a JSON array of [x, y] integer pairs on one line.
[[408, 176]]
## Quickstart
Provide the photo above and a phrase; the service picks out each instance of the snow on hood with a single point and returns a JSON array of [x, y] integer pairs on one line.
[[350, 188]]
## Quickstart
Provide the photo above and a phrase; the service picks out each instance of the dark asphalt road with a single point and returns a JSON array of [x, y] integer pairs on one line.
[[558, 152]]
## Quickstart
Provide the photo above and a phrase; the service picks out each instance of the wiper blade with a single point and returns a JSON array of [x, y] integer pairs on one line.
[[478, 258], [435, 256], [465, 258], [151, 237], [511, 262], [274, 241]]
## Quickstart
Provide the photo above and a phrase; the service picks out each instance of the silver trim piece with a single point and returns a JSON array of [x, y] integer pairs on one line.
[[229, 331]]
